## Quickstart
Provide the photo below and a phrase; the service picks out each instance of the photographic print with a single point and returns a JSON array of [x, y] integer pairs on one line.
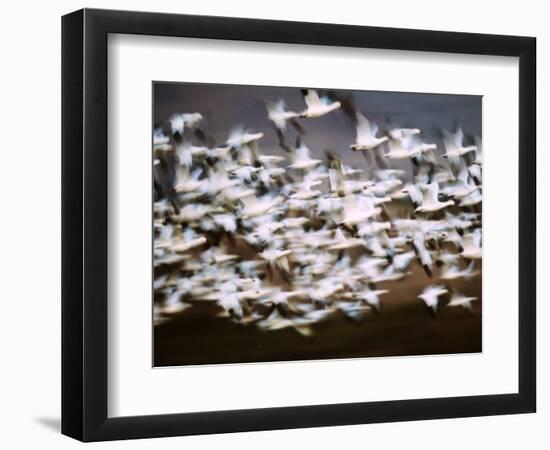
[[309, 223]]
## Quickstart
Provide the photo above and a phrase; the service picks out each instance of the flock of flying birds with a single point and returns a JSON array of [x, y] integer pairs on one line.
[[290, 241]]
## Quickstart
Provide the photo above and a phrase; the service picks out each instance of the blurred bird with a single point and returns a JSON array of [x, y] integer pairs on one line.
[[317, 106]]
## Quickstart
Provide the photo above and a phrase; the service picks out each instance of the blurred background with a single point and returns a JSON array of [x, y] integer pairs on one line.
[[226, 106]]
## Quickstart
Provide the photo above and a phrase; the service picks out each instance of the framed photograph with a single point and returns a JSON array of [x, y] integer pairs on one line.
[[273, 224]]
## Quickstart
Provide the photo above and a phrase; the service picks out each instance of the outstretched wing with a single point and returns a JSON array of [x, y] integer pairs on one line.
[[365, 130], [311, 98]]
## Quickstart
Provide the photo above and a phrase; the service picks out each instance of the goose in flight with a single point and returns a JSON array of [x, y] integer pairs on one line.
[[366, 134], [454, 237], [407, 147], [430, 296], [423, 254], [239, 137], [462, 300], [254, 206], [187, 153], [357, 210], [159, 138], [478, 160], [430, 200], [279, 116], [414, 193], [276, 257], [166, 233], [453, 272], [402, 261], [475, 172], [305, 191], [461, 187], [228, 222], [178, 122], [276, 321], [454, 147], [279, 297], [401, 133], [317, 315], [385, 187], [191, 241], [231, 305], [191, 213], [372, 297], [301, 158], [265, 231], [472, 245], [173, 303], [355, 311], [341, 242], [217, 181], [317, 106], [325, 288], [244, 172], [472, 199], [373, 228], [218, 255], [319, 265], [339, 183], [294, 222], [187, 182], [389, 274]]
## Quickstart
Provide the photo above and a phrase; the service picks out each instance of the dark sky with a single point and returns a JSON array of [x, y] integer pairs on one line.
[[226, 106]]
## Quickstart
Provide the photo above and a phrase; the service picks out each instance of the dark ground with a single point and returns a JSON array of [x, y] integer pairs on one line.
[[404, 327]]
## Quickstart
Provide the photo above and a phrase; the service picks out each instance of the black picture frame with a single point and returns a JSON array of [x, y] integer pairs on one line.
[[84, 224]]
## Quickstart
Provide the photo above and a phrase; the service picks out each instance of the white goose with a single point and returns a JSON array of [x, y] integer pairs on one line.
[[424, 255], [431, 294], [372, 297], [462, 300], [372, 228], [305, 191], [173, 304], [473, 199], [355, 311], [407, 147], [472, 245], [414, 193], [461, 187], [159, 138], [245, 172], [453, 272], [302, 159], [366, 135], [190, 241], [430, 200], [275, 321], [279, 115], [178, 122], [239, 137], [316, 106], [254, 206], [276, 257], [454, 147], [400, 133], [187, 182], [231, 305], [341, 242], [358, 209]]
